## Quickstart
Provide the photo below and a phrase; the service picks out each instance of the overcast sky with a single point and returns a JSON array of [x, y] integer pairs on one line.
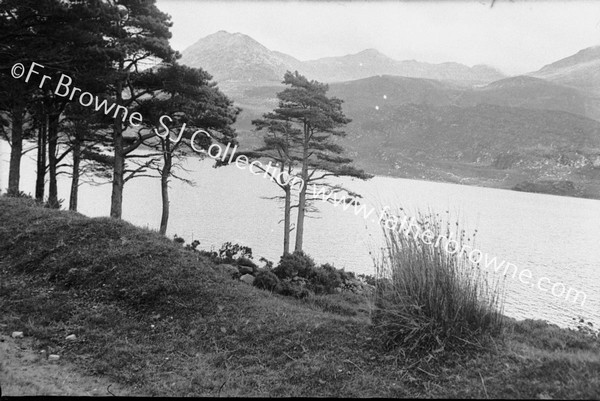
[[515, 37]]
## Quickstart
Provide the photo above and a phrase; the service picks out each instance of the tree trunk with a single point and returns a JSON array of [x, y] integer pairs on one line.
[[14, 174], [302, 196], [164, 185], [40, 184], [52, 160], [287, 219], [116, 199], [75, 174]]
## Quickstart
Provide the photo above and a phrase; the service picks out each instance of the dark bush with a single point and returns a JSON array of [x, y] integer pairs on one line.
[[266, 280], [212, 255], [193, 245], [293, 290], [295, 264], [325, 279], [243, 261], [229, 252], [18, 194]]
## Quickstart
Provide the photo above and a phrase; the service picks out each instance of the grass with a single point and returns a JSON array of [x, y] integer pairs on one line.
[[432, 298], [161, 320]]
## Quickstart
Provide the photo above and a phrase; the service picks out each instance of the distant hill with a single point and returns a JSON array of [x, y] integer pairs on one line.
[[581, 70], [370, 62], [533, 93], [504, 134], [238, 57], [444, 122]]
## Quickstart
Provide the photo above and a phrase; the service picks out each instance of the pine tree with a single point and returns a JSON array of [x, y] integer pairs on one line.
[[301, 135], [188, 102]]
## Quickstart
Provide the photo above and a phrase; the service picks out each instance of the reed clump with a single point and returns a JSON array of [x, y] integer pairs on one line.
[[429, 298]]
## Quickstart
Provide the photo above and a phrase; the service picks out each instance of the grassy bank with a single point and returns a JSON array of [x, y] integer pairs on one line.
[[163, 320]]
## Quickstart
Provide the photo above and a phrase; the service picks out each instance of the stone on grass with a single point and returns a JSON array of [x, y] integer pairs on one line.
[[230, 269], [71, 337], [53, 357], [17, 334], [248, 279]]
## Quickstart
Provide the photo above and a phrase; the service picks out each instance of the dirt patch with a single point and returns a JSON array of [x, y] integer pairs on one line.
[[24, 372]]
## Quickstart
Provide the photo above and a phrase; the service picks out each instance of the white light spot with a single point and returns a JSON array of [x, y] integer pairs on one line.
[[376, 107], [360, 64], [385, 96]]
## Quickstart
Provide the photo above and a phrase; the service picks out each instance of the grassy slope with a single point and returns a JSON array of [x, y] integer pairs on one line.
[[109, 282]]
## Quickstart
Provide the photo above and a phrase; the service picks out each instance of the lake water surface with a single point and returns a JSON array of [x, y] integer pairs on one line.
[[557, 238]]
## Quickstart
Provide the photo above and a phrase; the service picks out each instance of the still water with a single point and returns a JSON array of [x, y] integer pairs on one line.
[[556, 238]]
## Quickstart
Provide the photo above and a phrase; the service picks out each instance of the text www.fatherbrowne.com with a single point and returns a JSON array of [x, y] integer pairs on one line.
[[411, 226]]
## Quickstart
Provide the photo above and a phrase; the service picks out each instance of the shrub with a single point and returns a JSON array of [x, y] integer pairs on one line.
[[428, 299], [266, 280], [325, 279], [294, 290], [229, 252], [295, 264], [18, 194], [212, 255], [268, 263], [193, 246], [243, 261], [368, 278]]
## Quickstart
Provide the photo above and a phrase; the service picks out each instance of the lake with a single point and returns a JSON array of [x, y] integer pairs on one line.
[[556, 238]]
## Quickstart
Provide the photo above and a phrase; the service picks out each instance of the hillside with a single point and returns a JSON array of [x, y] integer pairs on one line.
[[533, 93], [581, 71], [160, 320], [510, 132]]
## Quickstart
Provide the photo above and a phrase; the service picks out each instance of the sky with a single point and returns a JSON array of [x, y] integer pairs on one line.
[[514, 36]]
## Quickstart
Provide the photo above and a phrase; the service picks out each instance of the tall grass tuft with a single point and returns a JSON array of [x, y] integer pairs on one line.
[[427, 299]]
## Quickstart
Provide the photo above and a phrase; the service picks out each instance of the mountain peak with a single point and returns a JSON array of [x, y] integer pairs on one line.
[[370, 52], [238, 57]]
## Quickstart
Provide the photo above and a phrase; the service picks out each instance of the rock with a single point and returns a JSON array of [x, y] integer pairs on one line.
[[247, 278], [245, 269], [230, 269], [71, 337], [53, 357], [17, 334]]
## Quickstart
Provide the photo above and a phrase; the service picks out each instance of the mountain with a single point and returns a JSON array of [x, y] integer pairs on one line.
[[235, 57], [581, 70], [488, 145], [443, 122], [370, 62], [512, 133]]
